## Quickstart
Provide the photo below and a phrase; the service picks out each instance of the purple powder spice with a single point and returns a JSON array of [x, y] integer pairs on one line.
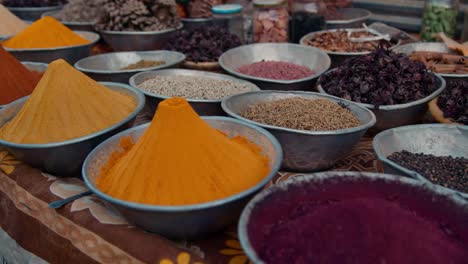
[[276, 70]]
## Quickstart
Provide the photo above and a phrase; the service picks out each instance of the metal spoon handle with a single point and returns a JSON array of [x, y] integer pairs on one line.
[[60, 203]]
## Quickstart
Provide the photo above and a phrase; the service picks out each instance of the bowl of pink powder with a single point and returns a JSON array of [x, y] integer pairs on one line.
[[353, 217], [277, 66]]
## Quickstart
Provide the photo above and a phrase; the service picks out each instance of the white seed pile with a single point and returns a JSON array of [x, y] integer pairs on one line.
[[192, 87]]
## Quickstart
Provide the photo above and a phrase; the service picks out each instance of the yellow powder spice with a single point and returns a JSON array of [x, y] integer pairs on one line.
[[182, 160], [66, 104], [9, 23], [47, 32]]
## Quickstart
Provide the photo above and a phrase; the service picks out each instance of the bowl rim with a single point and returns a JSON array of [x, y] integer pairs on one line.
[[180, 72], [180, 58], [66, 22], [140, 102], [253, 78], [185, 208], [378, 138], [395, 106], [367, 15], [420, 43], [34, 8], [302, 179], [197, 20], [94, 38], [337, 132], [140, 33]]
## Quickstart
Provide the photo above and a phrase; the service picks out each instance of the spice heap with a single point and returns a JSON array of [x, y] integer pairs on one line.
[[138, 15], [181, 160], [303, 114], [442, 62], [80, 11], [203, 44], [32, 3], [142, 64], [276, 70], [201, 8], [453, 101], [192, 87], [66, 104], [338, 41], [16, 80], [380, 78], [9, 23], [47, 32], [443, 170]]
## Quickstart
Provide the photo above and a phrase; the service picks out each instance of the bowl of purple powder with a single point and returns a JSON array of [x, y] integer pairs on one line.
[[354, 217], [435, 153], [277, 66]]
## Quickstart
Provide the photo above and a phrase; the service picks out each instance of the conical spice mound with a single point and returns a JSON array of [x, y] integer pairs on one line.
[[181, 160]]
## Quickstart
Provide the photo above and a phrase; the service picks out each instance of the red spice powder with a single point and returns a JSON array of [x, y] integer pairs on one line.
[[16, 80], [276, 70]]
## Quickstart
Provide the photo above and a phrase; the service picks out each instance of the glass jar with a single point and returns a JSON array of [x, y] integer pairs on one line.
[[439, 16], [230, 17], [270, 21], [306, 16]]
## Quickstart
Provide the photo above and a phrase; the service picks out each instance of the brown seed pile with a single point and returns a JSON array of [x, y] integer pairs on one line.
[[143, 64], [302, 114], [337, 41]]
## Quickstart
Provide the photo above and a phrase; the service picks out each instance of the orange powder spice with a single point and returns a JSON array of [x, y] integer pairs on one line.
[[182, 160]]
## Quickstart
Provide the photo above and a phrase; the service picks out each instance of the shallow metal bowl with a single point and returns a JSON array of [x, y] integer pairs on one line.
[[313, 58], [73, 25], [191, 221], [425, 199], [32, 13], [106, 67], [434, 47], [390, 116], [201, 106], [137, 40], [350, 18], [305, 150], [71, 53], [65, 158], [435, 139]]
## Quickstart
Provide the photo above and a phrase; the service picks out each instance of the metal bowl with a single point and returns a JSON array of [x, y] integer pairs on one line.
[[73, 25], [71, 53], [310, 57], [65, 158], [202, 107], [138, 40], [196, 23], [423, 198], [390, 116], [32, 13], [191, 221], [106, 67], [435, 139], [305, 150], [434, 47], [350, 18]]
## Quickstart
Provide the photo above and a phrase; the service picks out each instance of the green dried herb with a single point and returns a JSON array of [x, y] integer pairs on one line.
[[437, 19]]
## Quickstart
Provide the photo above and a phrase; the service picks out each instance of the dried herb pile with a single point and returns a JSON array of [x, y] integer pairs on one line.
[[80, 11], [453, 101], [380, 78]]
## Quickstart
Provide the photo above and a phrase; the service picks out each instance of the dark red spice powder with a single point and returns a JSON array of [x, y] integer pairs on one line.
[[16, 80], [276, 70], [363, 228]]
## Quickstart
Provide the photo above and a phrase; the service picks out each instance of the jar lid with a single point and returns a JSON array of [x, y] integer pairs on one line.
[[266, 3], [226, 9]]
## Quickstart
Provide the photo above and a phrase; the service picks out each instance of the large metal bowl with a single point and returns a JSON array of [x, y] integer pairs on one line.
[[32, 13], [191, 221], [73, 25], [106, 67], [349, 18], [425, 199], [65, 158], [71, 53], [307, 56], [138, 40], [435, 139], [434, 47], [390, 116], [202, 107], [305, 150]]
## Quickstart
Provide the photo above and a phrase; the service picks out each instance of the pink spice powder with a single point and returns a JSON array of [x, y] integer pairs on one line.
[[276, 70]]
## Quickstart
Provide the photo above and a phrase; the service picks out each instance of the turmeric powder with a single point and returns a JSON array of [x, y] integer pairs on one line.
[[47, 32], [181, 160], [66, 104]]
